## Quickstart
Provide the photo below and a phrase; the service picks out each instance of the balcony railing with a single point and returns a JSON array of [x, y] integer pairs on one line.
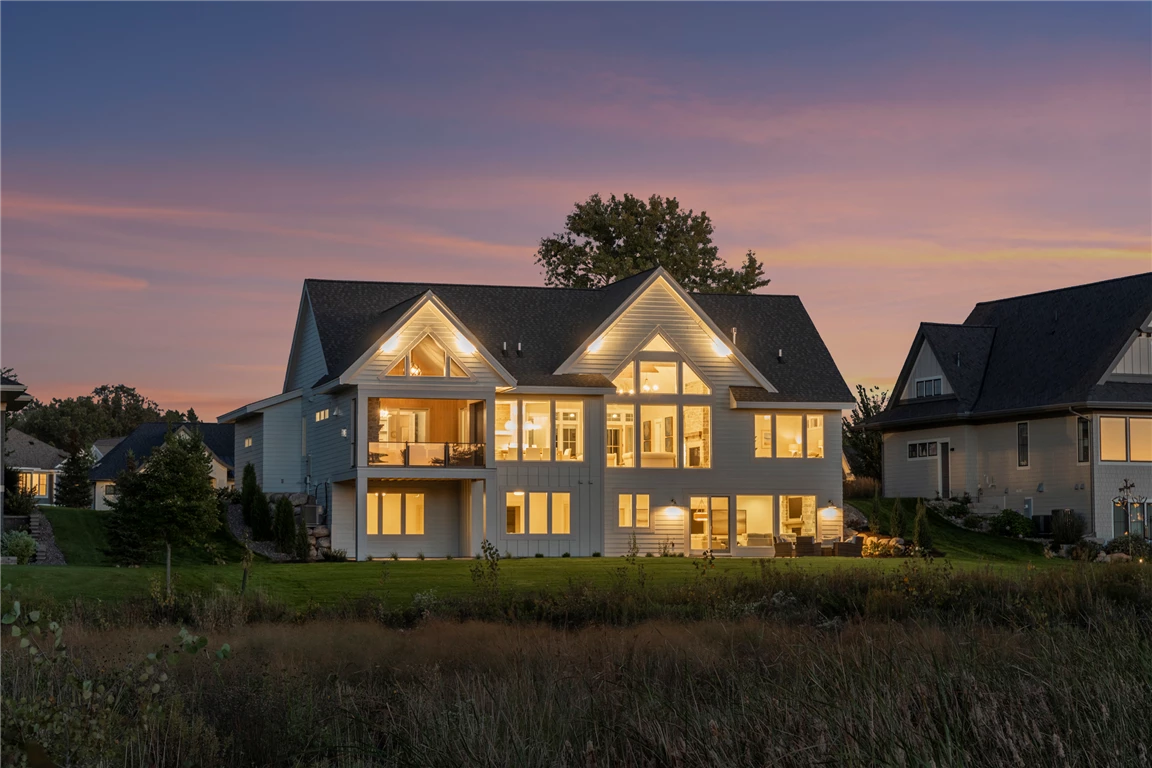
[[426, 454]]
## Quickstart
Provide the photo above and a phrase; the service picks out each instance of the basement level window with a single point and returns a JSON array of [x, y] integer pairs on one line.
[[322, 415]]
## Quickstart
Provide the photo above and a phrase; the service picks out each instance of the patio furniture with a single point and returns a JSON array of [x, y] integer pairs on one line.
[[807, 546], [852, 548], [784, 548]]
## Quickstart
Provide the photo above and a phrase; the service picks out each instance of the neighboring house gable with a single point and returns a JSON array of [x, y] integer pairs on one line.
[[926, 370], [1135, 363], [36, 461]]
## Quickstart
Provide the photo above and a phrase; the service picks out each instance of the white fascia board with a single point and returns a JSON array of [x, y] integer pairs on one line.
[[539, 390], [689, 303], [428, 298], [775, 405], [256, 407]]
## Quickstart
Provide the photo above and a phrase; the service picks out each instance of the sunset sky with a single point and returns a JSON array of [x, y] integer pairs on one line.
[[172, 172]]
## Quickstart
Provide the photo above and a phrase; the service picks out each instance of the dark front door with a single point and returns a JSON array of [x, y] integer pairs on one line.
[[945, 473]]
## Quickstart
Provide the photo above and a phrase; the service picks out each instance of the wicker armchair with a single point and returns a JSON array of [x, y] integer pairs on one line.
[[852, 548], [784, 548], [807, 546]]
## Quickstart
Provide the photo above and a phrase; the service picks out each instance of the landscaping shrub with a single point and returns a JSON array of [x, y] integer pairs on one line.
[[1085, 550], [261, 517], [18, 544], [1067, 527], [921, 535], [1010, 523], [334, 555], [284, 526], [896, 519], [19, 502], [302, 546], [1133, 546], [973, 522]]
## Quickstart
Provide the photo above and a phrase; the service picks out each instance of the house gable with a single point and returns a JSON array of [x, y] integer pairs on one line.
[[1135, 361], [660, 309], [428, 317], [306, 364], [925, 367]]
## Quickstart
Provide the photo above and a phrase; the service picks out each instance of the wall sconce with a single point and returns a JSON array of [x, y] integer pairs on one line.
[[390, 345], [1040, 488], [675, 512]]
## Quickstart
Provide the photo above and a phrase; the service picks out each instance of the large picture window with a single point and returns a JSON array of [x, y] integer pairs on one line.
[[395, 513], [657, 436], [754, 521], [621, 435], [789, 436], [1139, 439], [1125, 439], [538, 513], [35, 483], [634, 510], [570, 430], [428, 359], [507, 428], [537, 438]]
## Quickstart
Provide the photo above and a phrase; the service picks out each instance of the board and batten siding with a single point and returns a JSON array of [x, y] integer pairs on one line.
[[342, 517], [925, 367], [443, 508], [582, 479], [1137, 359], [251, 427], [429, 320], [308, 356], [281, 467]]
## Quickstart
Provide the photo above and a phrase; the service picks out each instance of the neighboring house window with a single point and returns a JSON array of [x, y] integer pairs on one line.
[[110, 489], [1083, 440], [34, 482], [924, 450], [322, 415], [395, 514], [544, 513], [428, 359], [634, 510], [247, 442], [929, 387], [1022, 444]]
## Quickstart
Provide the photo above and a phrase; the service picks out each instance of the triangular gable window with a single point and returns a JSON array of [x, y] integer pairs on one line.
[[455, 371], [398, 369], [658, 344], [427, 358], [692, 384]]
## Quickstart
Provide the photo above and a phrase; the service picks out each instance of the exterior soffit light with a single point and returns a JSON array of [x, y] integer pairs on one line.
[[595, 346], [391, 344], [720, 348]]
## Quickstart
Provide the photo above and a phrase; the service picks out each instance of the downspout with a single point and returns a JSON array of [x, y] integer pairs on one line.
[[1091, 474]]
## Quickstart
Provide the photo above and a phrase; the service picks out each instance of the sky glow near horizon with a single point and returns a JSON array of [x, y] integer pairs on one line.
[[172, 173]]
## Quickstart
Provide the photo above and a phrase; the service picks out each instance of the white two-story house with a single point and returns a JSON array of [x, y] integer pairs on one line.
[[1035, 403], [427, 418]]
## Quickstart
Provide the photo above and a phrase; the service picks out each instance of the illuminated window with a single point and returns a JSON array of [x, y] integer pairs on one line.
[[561, 513], [507, 427], [1140, 439], [322, 415], [814, 444], [658, 436], [754, 521], [697, 436], [538, 513], [385, 512], [658, 344], [570, 431], [621, 435], [709, 526], [537, 439], [657, 378], [789, 436], [626, 504], [34, 482], [514, 506], [247, 442], [455, 371], [625, 382], [414, 513], [427, 358], [692, 383], [763, 435], [398, 368], [1113, 439]]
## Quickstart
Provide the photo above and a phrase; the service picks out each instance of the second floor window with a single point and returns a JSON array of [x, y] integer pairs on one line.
[[1083, 440], [790, 435], [322, 415], [1022, 444], [247, 442], [539, 430], [929, 387], [428, 359]]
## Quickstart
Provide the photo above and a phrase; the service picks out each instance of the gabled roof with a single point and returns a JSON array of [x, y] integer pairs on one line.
[[551, 323], [23, 450], [104, 445], [1042, 351], [218, 438]]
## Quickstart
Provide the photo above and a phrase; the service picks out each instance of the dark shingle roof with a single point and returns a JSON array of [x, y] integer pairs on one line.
[[23, 450], [218, 438], [9, 381], [1040, 351], [551, 323]]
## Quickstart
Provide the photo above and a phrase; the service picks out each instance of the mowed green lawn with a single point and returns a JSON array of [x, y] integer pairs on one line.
[[328, 583]]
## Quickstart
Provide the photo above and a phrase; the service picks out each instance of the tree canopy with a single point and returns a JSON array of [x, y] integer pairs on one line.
[[112, 410], [864, 449], [604, 241]]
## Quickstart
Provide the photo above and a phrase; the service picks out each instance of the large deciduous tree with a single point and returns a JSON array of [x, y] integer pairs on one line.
[[863, 448], [170, 502], [604, 241], [112, 410]]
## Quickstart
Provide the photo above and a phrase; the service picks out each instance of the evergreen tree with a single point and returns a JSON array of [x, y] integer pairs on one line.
[[921, 536], [284, 526], [261, 517], [172, 502], [127, 543], [896, 520], [301, 540], [248, 490], [74, 487]]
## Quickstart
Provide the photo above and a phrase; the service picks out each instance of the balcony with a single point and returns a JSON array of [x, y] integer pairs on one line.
[[426, 454], [425, 432]]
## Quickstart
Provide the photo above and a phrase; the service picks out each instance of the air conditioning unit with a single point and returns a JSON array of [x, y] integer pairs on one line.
[[311, 514]]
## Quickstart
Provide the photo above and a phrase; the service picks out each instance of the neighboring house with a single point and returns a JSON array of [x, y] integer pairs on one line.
[[1034, 403], [428, 418], [103, 447], [37, 462], [13, 397], [218, 440]]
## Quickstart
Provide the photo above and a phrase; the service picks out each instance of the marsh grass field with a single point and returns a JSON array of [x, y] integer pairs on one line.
[[992, 656]]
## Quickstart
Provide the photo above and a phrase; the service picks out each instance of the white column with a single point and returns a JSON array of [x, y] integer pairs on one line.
[[476, 518], [361, 507]]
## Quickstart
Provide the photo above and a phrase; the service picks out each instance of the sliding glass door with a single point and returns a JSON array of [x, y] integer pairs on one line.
[[710, 524]]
